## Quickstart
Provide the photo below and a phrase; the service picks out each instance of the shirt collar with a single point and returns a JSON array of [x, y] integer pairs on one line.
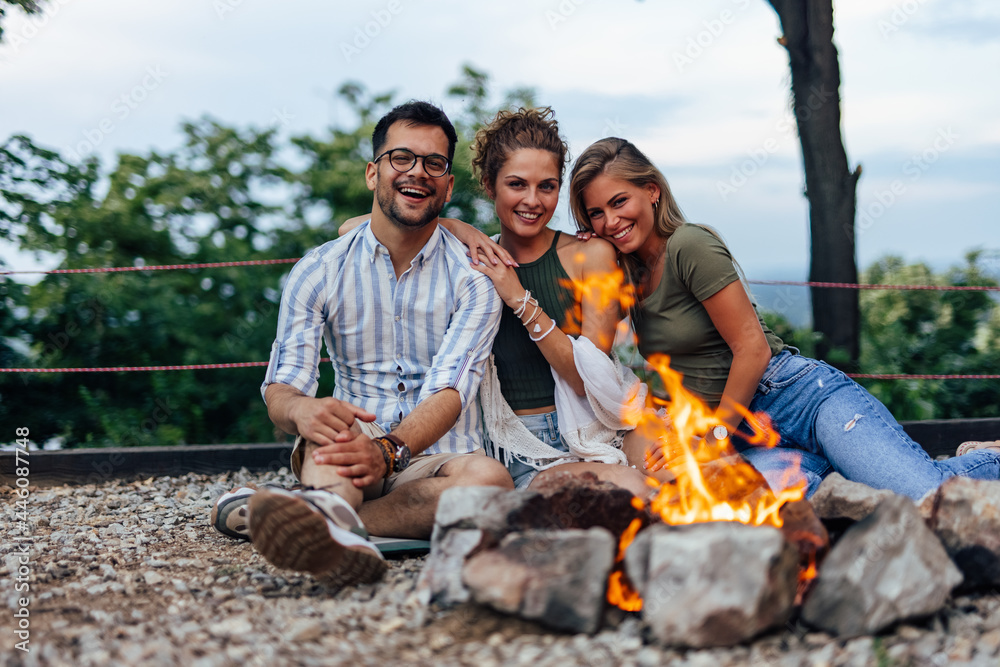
[[374, 247]]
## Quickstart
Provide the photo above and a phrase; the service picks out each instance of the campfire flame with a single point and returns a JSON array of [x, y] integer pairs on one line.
[[620, 590], [711, 482]]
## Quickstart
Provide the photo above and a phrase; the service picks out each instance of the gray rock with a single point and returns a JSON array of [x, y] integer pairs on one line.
[[885, 568], [717, 584], [466, 507], [839, 498], [152, 578], [966, 518], [637, 557], [558, 578], [440, 580]]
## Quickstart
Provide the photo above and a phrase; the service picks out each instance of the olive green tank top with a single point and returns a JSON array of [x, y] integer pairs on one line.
[[525, 375]]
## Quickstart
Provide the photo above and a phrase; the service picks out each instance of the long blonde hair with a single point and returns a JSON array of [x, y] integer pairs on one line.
[[619, 158]]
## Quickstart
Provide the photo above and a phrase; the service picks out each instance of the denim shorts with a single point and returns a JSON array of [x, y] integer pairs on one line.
[[545, 427]]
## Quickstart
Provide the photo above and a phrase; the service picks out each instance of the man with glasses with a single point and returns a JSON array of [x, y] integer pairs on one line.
[[408, 325]]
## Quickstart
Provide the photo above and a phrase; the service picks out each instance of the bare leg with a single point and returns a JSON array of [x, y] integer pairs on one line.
[[408, 510], [635, 448], [626, 477], [326, 477]]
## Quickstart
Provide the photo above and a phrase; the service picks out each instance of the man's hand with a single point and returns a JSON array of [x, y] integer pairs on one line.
[[325, 421], [360, 458]]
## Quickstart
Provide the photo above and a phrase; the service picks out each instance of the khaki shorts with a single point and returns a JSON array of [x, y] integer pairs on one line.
[[421, 466]]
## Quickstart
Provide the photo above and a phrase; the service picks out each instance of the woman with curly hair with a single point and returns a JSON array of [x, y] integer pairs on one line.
[[520, 160]]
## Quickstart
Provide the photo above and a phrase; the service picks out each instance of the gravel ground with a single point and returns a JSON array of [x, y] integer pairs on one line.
[[132, 574]]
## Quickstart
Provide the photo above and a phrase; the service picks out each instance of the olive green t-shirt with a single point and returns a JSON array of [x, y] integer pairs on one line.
[[672, 320]]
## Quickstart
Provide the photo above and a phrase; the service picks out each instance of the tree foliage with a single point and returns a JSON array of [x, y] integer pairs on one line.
[[26, 6], [225, 194], [917, 332]]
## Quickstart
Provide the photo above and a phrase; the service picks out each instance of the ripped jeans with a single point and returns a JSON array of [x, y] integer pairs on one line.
[[828, 422]]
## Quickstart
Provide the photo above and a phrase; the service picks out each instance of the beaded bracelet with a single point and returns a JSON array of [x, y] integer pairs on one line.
[[547, 332]]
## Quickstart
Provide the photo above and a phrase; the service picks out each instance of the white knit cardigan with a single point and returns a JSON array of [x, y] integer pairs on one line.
[[592, 426]]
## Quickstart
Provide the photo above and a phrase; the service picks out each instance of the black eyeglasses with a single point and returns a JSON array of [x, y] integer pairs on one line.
[[403, 160]]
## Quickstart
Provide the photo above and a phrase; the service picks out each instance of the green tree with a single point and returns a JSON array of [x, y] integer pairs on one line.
[[932, 333], [223, 195], [26, 6]]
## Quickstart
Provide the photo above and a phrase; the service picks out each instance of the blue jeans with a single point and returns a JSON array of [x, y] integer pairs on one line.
[[545, 427], [828, 422]]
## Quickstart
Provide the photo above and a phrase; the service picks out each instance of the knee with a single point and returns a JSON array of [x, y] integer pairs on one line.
[[482, 471]]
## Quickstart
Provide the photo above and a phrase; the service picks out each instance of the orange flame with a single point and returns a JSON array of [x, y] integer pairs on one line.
[[711, 482], [599, 290], [620, 591]]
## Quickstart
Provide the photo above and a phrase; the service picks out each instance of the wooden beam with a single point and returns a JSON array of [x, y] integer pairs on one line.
[[97, 465], [941, 436]]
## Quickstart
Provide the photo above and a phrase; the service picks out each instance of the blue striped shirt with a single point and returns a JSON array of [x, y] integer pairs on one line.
[[392, 343]]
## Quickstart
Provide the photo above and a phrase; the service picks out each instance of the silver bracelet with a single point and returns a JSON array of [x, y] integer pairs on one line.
[[547, 332]]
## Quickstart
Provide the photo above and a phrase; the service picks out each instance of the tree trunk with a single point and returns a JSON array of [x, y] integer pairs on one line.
[[830, 185]]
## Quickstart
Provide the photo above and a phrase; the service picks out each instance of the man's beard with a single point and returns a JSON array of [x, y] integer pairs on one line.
[[386, 196]]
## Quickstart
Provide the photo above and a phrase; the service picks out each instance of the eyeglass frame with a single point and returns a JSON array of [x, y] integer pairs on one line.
[[423, 158]]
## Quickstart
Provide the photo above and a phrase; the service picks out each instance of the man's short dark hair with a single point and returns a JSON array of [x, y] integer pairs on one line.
[[414, 113]]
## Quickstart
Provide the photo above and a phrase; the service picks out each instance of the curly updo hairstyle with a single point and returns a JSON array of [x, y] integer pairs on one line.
[[509, 132]]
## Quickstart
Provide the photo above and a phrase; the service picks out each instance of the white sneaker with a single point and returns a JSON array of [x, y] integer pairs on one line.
[[229, 513], [314, 531]]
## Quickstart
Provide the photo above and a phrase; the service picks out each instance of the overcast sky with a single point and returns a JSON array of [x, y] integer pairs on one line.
[[702, 87]]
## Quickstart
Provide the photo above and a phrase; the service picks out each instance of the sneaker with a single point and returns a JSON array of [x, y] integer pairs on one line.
[[314, 531], [973, 445], [229, 514]]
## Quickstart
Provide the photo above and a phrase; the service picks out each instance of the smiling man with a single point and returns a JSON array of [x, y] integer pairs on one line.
[[408, 325]]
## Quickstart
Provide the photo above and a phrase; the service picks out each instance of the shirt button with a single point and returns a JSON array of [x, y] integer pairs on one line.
[[398, 318]]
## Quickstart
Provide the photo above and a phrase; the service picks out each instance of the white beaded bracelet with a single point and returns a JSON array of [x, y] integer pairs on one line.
[[547, 332]]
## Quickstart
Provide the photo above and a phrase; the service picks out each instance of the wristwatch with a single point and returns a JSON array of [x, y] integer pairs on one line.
[[392, 446], [720, 433]]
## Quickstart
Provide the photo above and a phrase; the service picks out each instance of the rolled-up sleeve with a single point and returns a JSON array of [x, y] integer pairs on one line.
[[302, 317], [461, 359]]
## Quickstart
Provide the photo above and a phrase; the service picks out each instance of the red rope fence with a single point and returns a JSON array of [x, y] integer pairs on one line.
[[160, 267], [291, 260], [262, 262]]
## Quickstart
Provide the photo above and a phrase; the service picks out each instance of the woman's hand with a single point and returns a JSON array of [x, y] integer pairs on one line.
[[505, 280], [478, 243], [584, 235]]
